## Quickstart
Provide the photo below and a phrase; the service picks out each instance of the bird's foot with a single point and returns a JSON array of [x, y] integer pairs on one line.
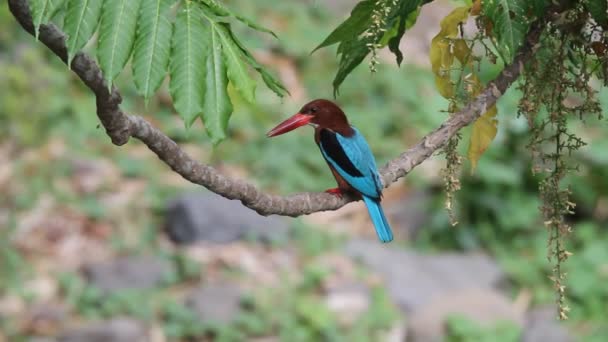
[[335, 191]]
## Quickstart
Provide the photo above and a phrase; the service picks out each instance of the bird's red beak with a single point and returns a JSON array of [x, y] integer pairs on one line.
[[290, 124]]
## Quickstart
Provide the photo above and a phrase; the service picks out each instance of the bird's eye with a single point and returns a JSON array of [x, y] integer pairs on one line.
[[313, 110]]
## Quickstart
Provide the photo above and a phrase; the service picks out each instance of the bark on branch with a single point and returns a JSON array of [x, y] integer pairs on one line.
[[120, 126]]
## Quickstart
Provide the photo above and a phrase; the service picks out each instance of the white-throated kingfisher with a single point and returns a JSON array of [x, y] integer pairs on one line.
[[348, 155]]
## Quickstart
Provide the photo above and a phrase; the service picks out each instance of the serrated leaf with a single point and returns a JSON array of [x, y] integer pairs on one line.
[[217, 107], [237, 69], [223, 11], [510, 24], [352, 27], [441, 54], [116, 36], [80, 22], [42, 10], [152, 46], [598, 10], [188, 53], [483, 132], [271, 82]]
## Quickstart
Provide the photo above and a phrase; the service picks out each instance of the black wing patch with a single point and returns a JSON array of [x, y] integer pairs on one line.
[[331, 146], [378, 185]]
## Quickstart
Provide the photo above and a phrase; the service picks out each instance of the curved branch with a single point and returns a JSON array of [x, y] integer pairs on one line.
[[120, 126]]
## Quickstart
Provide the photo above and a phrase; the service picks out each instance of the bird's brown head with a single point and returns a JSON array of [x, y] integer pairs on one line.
[[319, 113]]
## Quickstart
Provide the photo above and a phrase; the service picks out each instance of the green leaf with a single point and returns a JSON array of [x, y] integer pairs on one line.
[[37, 8], [404, 22], [116, 36], [353, 53], [152, 46], [237, 69], [219, 9], [188, 55], [359, 20], [539, 7], [354, 40], [598, 10], [42, 10], [271, 82], [509, 26], [217, 107], [227, 59], [80, 23]]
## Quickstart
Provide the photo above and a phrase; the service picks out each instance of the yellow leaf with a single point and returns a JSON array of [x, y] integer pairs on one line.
[[462, 52], [449, 24], [444, 86], [441, 54], [472, 84], [441, 60], [484, 131]]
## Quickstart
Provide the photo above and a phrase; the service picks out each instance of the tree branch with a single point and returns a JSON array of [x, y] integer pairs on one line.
[[120, 126]]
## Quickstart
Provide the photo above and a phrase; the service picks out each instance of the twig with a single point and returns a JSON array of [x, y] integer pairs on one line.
[[120, 126]]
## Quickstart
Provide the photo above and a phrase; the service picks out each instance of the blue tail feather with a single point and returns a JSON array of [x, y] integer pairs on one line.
[[378, 219]]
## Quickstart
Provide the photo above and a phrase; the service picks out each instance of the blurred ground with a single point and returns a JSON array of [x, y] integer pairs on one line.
[[100, 243]]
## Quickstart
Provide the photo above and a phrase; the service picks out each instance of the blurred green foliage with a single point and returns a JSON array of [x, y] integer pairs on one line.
[[308, 318], [498, 211], [294, 311], [462, 329], [31, 106]]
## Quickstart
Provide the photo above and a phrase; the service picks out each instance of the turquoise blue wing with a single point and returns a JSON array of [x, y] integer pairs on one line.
[[353, 160]]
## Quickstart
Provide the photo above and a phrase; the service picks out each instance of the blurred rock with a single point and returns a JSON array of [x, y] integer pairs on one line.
[[46, 318], [413, 279], [542, 325], [484, 306], [11, 305], [264, 339], [341, 271], [348, 301], [208, 217], [262, 265], [397, 333], [89, 175], [131, 272], [115, 330], [36, 339], [42, 287], [219, 303]]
